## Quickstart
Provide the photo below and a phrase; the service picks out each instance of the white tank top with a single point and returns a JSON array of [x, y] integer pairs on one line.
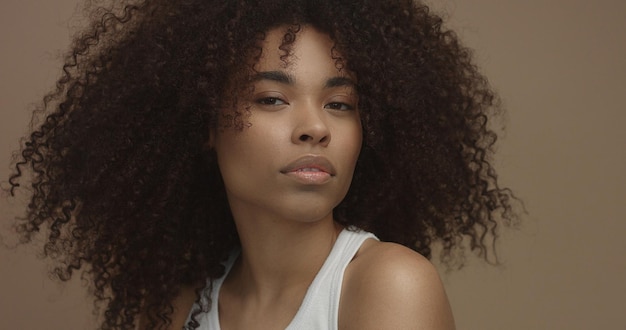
[[320, 305]]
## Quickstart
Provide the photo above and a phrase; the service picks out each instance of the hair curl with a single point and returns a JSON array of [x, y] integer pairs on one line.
[[123, 181]]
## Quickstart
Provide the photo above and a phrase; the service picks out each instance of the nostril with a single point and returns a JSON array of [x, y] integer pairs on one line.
[[312, 138]]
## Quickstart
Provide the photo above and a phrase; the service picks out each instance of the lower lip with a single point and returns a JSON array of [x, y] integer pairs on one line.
[[312, 178]]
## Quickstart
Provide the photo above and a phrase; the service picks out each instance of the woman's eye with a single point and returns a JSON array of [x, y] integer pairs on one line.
[[270, 101], [339, 106]]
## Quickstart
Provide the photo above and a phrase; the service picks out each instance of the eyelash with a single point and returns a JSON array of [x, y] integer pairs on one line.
[[332, 105], [271, 101]]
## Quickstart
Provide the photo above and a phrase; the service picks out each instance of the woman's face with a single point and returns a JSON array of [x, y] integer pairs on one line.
[[296, 159]]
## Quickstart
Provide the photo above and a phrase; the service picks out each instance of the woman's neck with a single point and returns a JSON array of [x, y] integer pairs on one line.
[[280, 257]]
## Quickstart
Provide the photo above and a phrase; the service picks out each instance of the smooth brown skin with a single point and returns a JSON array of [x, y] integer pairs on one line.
[[286, 225]]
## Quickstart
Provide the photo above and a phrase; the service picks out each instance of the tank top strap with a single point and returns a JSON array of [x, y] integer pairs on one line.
[[320, 306]]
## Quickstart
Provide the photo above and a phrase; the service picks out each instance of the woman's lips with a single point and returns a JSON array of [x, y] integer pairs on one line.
[[310, 169], [310, 177]]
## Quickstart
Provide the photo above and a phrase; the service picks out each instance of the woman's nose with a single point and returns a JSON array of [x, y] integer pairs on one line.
[[310, 126]]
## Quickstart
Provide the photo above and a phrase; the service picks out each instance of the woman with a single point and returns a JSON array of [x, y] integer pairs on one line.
[[233, 164]]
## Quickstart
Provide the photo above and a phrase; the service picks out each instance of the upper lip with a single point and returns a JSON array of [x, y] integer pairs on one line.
[[310, 161]]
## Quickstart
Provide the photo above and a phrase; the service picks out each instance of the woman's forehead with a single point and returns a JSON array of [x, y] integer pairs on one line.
[[309, 52]]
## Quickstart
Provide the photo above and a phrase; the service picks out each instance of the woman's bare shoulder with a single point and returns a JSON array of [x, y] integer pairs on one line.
[[389, 286]]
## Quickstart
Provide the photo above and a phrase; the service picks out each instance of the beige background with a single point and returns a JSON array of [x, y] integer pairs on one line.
[[560, 67]]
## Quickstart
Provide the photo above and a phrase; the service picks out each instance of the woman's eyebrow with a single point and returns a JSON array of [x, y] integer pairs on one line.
[[286, 78], [339, 82], [278, 76]]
